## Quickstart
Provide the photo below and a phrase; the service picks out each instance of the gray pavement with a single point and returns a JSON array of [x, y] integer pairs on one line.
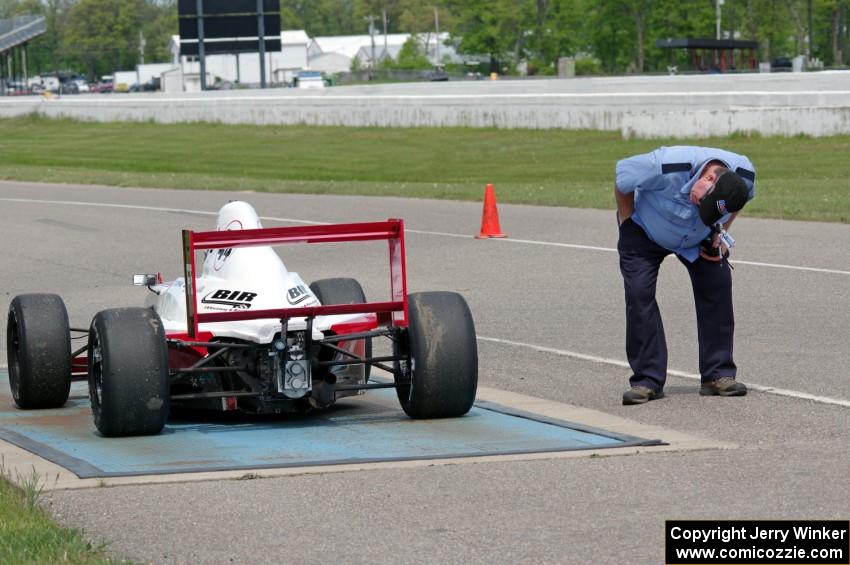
[[532, 289]]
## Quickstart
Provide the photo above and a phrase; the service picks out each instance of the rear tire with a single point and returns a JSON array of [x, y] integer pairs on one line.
[[128, 372], [343, 291], [38, 346], [443, 357]]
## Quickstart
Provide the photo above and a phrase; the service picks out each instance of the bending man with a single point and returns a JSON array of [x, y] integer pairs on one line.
[[680, 200]]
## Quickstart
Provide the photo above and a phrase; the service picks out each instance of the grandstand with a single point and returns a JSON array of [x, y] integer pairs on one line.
[[15, 34]]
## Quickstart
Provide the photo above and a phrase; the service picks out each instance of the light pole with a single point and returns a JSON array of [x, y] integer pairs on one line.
[[717, 4], [371, 20], [811, 48], [437, 30]]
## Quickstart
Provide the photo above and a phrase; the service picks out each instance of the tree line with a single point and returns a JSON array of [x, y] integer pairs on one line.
[[604, 36], [610, 36]]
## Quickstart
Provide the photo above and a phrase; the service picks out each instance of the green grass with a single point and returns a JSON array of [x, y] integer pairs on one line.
[[798, 178], [29, 536]]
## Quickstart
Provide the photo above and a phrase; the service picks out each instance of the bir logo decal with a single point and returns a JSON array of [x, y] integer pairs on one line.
[[296, 295], [721, 207], [236, 299]]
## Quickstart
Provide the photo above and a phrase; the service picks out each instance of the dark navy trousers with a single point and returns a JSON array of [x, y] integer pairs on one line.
[[646, 348]]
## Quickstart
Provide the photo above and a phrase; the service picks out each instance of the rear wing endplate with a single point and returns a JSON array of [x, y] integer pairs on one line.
[[392, 312]]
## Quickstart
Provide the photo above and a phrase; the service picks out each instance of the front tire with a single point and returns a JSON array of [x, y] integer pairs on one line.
[[128, 372], [443, 357], [38, 346]]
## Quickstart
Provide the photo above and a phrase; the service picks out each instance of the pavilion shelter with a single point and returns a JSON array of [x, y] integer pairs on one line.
[[718, 55], [15, 34]]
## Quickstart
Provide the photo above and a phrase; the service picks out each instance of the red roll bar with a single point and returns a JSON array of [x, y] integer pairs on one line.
[[392, 312]]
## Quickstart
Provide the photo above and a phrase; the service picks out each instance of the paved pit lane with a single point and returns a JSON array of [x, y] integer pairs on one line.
[[548, 309]]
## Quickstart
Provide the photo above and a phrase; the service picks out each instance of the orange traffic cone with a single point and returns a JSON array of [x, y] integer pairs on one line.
[[490, 219]]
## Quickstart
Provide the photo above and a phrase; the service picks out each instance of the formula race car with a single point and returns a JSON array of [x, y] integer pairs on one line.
[[247, 334]]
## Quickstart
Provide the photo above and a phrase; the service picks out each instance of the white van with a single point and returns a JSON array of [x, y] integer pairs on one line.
[[309, 79]]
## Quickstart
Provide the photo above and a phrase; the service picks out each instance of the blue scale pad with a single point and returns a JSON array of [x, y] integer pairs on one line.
[[369, 428]]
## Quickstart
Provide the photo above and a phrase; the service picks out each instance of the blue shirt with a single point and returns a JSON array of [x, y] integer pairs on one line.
[[662, 181]]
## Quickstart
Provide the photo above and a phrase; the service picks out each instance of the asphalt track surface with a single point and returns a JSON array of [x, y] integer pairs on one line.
[[548, 308]]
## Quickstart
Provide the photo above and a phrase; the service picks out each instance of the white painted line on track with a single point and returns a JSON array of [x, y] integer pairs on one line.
[[794, 267], [612, 250], [594, 359], [149, 208], [524, 241], [421, 232]]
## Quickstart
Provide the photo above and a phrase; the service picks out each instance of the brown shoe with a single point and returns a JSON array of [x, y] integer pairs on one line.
[[640, 395], [724, 386]]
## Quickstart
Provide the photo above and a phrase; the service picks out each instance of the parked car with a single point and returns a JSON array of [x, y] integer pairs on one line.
[[222, 85], [781, 63], [16, 87], [68, 87], [438, 74], [153, 85], [103, 87]]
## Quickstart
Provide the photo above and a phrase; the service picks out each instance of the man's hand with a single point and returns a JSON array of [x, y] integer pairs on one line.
[[625, 205], [714, 249], [714, 258]]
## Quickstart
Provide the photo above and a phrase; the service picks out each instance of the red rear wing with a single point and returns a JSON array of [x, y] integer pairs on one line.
[[391, 312]]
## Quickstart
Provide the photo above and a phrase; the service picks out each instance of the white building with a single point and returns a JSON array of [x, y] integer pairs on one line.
[[293, 45], [365, 54], [330, 63], [244, 68], [331, 54], [154, 70], [335, 54], [293, 51]]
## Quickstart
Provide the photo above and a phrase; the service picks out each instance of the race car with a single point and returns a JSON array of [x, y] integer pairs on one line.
[[247, 334]]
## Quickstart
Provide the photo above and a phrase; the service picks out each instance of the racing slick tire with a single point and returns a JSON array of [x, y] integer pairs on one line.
[[128, 372], [443, 357], [38, 346], [342, 291]]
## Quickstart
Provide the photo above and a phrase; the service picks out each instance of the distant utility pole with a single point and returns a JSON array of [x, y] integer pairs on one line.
[[141, 48], [261, 38], [385, 32], [371, 20], [202, 55], [437, 29], [717, 4], [810, 50]]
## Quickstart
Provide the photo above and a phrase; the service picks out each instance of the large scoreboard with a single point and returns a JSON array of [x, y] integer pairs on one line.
[[229, 26]]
